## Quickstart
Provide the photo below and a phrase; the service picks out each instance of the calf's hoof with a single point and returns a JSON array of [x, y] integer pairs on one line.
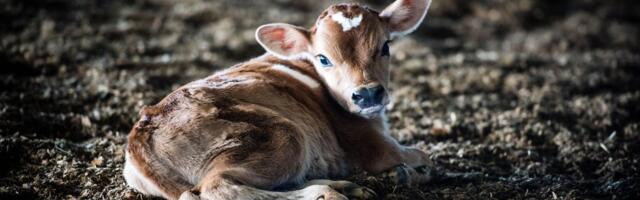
[[406, 175]]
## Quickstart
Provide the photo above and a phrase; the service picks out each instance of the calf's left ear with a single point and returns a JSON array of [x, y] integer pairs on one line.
[[283, 40], [404, 16]]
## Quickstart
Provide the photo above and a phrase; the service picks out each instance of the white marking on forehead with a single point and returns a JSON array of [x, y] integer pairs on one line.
[[347, 23], [297, 75]]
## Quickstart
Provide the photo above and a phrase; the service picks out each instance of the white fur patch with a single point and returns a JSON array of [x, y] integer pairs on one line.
[[315, 191], [297, 75], [347, 23], [137, 180], [204, 83]]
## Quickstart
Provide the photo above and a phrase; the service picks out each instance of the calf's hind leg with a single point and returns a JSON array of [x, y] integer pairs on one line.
[[269, 156], [220, 187], [347, 188]]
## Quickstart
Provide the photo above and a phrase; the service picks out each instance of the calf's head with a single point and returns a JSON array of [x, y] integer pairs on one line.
[[349, 47]]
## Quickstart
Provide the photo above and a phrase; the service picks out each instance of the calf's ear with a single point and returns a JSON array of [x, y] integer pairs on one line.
[[404, 16], [284, 40]]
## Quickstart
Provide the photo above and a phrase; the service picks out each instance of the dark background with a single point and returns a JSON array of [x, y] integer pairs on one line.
[[540, 96]]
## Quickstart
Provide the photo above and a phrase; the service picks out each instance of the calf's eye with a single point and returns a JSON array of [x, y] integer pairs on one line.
[[324, 61], [385, 49]]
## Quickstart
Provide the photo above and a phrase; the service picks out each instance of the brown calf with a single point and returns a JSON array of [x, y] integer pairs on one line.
[[281, 125]]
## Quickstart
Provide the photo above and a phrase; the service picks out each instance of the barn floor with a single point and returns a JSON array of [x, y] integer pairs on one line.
[[539, 97]]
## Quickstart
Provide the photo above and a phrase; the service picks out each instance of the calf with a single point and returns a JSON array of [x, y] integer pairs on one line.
[[283, 125]]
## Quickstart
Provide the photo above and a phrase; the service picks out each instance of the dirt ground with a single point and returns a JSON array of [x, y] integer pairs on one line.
[[539, 97]]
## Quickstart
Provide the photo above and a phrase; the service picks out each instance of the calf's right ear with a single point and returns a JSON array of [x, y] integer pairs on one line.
[[405, 16], [284, 40]]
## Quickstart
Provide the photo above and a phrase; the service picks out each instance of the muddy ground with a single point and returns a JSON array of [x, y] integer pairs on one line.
[[541, 97]]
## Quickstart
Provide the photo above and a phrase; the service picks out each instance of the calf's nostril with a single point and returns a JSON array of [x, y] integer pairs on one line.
[[368, 96], [378, 92], [356, 96]]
